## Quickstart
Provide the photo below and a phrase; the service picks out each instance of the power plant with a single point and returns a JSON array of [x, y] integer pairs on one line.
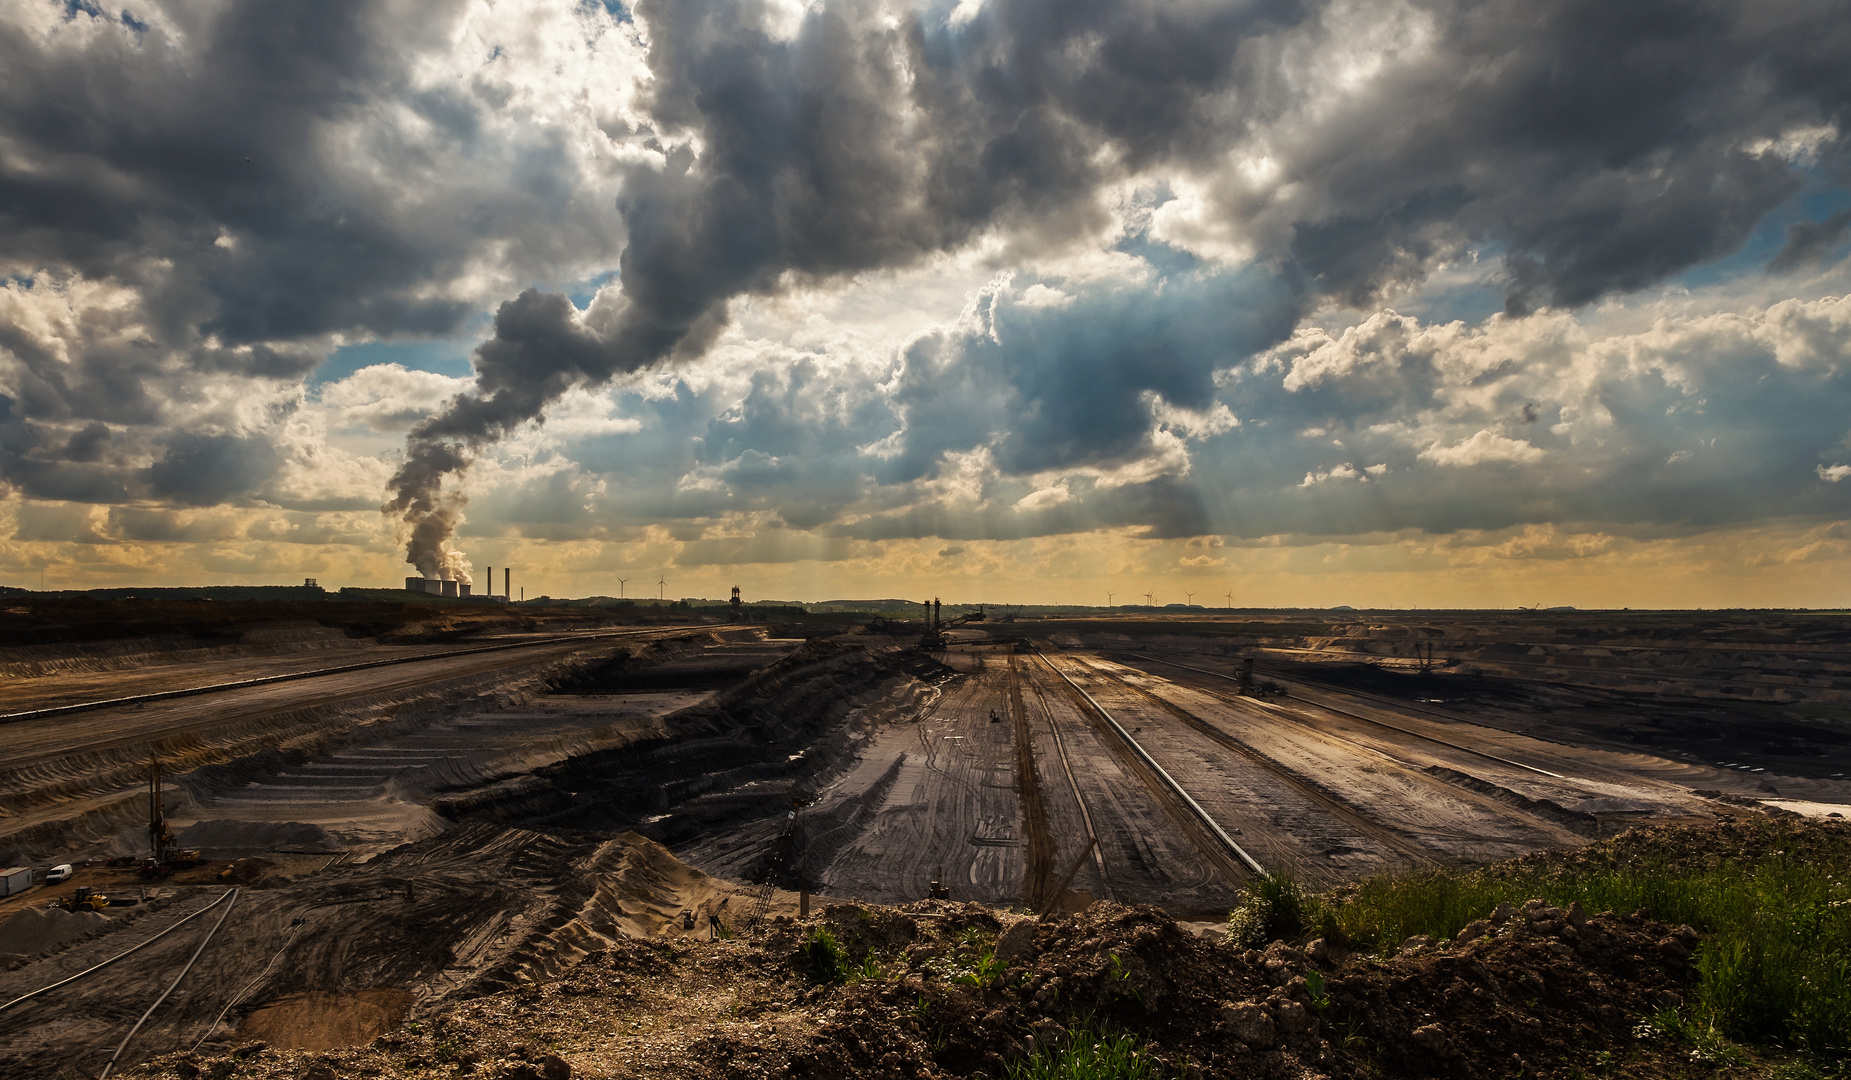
[[437, 588], [462, 589]]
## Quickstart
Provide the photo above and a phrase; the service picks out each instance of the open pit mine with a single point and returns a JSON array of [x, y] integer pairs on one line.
[[437, 839]]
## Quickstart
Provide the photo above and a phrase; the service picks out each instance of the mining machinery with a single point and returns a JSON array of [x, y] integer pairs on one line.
[[165, 855], [84, 899]]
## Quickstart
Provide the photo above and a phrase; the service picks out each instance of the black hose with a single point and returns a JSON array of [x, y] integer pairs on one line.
[[104, 1075], [118, 956], [248, 987]]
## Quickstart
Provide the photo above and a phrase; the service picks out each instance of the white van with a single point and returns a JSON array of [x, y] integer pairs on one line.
[[58, 874]]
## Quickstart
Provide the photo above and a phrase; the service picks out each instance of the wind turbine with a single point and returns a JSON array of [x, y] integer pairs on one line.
[[1150, 599], [662, 589], [1189, 599], [621, 582], [1230, 601], [1108, 598]]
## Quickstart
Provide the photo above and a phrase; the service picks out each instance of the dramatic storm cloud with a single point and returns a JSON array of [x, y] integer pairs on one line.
[[761, 283]]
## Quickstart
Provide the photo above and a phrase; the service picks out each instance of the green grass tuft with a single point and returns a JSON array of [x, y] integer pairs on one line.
[[1274, 908], [1088, 1054], [824, 956], [1774, 965]]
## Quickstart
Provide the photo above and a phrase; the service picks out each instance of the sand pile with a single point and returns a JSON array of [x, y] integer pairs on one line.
[[323, 1021], [650, 888], [37, 930]]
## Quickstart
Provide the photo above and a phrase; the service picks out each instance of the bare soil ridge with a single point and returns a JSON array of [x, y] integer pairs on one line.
[[946, 989]]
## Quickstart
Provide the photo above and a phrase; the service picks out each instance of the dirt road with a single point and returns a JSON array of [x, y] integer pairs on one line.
[[60, 769], [1007, 780]]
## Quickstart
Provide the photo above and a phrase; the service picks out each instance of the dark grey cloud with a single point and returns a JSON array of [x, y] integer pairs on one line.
[[87, 465], [204, 470], [1808, 242], [42, 464], [1166, 507], [1071, 384], [250, 180], [141, 144], [1602, 147]]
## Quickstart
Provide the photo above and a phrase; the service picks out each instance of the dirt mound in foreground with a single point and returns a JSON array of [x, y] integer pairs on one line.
[[940, 989], [941, 1007]]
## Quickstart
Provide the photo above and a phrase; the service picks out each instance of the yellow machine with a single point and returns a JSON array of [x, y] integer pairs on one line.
[[84, 899]]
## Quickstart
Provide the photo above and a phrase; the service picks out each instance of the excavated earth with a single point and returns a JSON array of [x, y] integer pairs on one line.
[[1545, 992], [515, 870]]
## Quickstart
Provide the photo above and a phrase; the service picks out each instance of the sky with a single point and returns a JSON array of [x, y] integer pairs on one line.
[[1268, 303]]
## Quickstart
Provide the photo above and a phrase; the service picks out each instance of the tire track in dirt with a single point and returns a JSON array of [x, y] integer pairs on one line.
[[1092, 834], [1216, 862], [1038, 883], [1409, 848], [949, 812], [1424, 774]]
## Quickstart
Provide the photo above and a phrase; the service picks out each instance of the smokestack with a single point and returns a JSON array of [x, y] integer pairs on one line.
[[507, 575], [488, 583]]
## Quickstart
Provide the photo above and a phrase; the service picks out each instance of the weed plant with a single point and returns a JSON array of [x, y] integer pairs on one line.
[[1706, 1045], [984, 972], [1088, 1053], [824, 956], [1275, 907], [870, 969], [973, 963], [1774, 964]]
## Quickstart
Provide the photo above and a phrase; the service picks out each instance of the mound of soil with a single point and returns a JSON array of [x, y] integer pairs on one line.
[[939, 989], [36, 930], [729, 1009]]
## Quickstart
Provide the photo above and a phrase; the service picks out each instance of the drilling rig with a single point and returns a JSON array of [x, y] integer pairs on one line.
[[165, 853]]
